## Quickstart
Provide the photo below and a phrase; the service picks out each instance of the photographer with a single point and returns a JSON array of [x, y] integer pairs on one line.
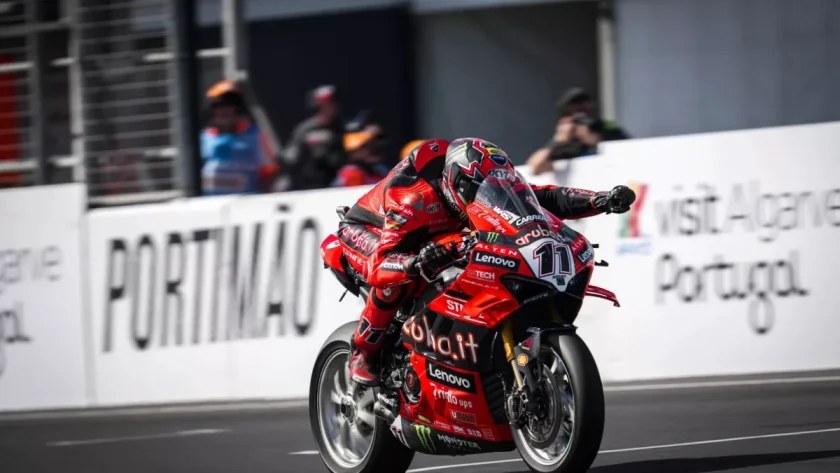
[[578, 132], [315, 151]]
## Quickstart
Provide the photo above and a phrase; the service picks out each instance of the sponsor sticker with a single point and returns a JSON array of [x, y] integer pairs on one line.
[[451, 378], [529, 219], [501, 174], [391, 215], [510, 217], [408, 211], [391, 266], [485, 275], [498, 261], [434, 207], [464, 417], [442, 426], [424, 433], [451, 398], [540, 232], [458, 443], [457, 347], [585, 256], [473, 433]]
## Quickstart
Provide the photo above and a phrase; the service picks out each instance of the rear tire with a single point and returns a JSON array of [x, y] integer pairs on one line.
[[385, 453], [588, 410]]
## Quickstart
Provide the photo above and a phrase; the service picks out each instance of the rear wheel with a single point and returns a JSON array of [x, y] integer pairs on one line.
[[348, 435], [566, 438]]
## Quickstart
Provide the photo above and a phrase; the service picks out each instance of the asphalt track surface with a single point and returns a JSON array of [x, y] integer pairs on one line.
[[768, 428]]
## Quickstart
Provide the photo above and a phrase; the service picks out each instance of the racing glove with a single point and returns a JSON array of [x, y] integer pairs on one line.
[[435, 256], [616, 201]]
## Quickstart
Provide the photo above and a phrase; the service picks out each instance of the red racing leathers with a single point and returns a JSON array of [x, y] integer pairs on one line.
[[395, 219]]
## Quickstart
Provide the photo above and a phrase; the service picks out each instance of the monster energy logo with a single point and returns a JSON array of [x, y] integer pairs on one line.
[[425, 434], [492, 237]]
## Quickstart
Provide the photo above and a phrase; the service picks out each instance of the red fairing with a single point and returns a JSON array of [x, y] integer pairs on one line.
[[462, 412], [602, 293], [331, 252]]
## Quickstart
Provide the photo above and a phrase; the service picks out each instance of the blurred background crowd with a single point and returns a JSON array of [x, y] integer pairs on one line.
[[148, 100], [324, 150]]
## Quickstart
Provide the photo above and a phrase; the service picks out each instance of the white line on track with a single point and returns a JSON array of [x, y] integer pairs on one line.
[[636, 449], [720, 384], [135, 438], [305, 452]]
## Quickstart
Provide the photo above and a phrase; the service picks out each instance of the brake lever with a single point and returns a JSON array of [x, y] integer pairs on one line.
[[419, 267]]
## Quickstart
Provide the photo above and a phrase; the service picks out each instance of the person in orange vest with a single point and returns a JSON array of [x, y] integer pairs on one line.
[[363, 142], [237, 156]]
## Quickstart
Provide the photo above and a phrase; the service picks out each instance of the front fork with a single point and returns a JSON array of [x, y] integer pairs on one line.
[[520, 355]]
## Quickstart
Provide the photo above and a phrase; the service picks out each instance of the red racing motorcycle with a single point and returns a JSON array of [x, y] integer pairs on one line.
[[484, 359]]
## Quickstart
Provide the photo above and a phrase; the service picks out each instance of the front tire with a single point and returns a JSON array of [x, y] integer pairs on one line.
[[349, 437], [576, 384]]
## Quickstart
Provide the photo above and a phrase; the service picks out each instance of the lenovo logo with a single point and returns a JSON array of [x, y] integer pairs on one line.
[[481, 257], [450, 378]]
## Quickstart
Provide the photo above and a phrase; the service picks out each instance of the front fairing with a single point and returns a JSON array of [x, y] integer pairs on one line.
[[522, 255], [508, 216]]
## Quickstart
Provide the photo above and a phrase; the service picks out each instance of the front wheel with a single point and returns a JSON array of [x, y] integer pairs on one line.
[[566, 438], [349, 437]]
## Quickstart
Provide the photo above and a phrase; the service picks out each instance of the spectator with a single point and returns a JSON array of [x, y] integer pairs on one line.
[[363, 142], [577, 134], [316, 150], [237, 157]]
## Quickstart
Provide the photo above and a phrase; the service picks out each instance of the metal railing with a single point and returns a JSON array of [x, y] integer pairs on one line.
[[93, 91]]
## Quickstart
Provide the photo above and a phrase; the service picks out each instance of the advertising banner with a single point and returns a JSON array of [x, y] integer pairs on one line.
[[42, 360], [214, 298], [154, 287], [725, 264]]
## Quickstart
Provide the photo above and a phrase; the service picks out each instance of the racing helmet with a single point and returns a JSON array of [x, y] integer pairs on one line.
[[409, 147], [468, 162]]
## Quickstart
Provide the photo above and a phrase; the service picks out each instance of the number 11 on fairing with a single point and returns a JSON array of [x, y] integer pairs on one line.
[[547, 254]]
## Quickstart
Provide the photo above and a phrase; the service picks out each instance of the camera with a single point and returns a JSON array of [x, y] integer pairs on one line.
[[595, 125], [583, 119]]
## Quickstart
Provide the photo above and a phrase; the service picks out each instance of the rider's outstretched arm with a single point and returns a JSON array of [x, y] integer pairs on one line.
[[568, 202], [572, 203]]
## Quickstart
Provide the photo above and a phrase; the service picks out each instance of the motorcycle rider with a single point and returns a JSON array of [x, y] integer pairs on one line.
[[426, 194]]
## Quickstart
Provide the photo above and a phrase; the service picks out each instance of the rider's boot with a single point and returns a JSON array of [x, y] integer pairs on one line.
[[366, 343], [363, 369], [382, 305]]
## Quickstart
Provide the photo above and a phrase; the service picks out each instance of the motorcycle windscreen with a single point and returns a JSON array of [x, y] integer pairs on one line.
[[505, 203]]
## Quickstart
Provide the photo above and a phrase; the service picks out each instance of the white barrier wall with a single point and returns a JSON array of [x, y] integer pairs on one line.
[[216, 298], [727, 263], [42, 362]]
